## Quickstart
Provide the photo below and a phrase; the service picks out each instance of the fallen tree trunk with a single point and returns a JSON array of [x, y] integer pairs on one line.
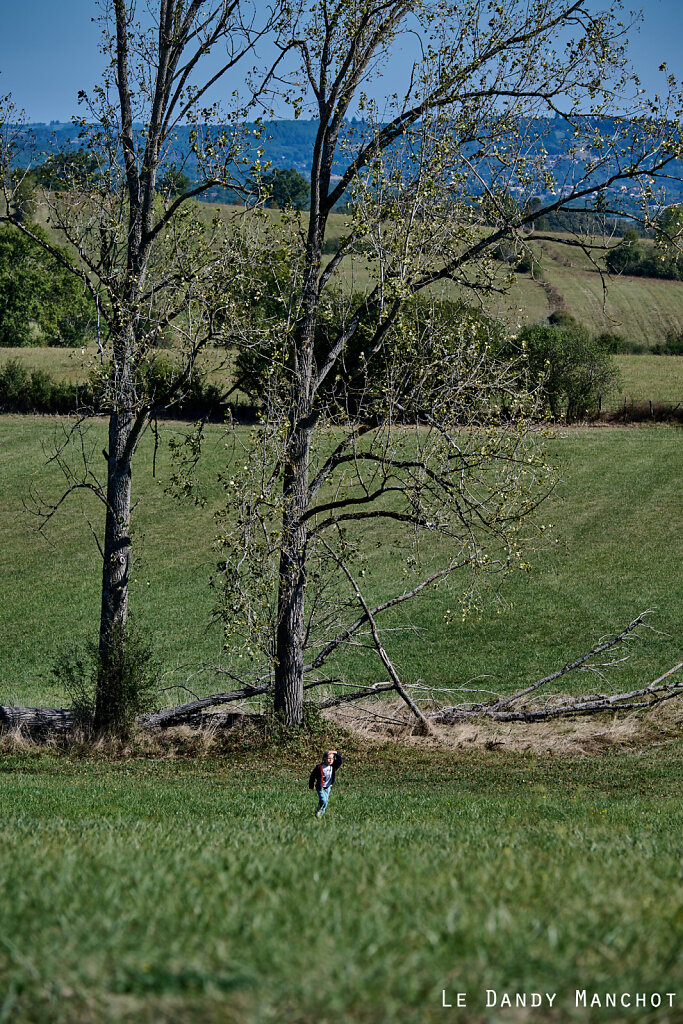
[[386, 661], [600, 649], [42, 721], [39, 721], [347, 698], [182, 714], [579, 706]]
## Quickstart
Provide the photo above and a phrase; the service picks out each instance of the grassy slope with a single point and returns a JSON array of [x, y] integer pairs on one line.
[[641, 309], [615, 551], [619, 550], [645, 378], [165, 891]]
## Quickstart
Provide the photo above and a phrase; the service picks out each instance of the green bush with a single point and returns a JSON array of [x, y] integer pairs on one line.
[[633, 258], [66, 169], [613, 343], [521, 262], [23, 390], [562, 318], [130, 675], [287, 189], [15, 383], [362, 386], [529, 264], [572, 370], [29, 391], [673, 346]]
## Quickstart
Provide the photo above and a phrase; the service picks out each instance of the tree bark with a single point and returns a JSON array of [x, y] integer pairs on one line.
[[291, 623], [110, 700]]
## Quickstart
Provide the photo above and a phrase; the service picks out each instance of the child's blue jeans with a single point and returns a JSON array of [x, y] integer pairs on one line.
[[323, 797]]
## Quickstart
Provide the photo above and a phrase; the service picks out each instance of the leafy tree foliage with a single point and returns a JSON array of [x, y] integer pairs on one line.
[[287, 189], [173, 182], [571, 369], [673, 346], [68, 169], [40, 301], [366, 377], [639, 259], [23, 191]]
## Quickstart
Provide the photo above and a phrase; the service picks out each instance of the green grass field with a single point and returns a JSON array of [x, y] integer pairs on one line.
[[160, 887], [615, 550], [172, 891], [649, 378]]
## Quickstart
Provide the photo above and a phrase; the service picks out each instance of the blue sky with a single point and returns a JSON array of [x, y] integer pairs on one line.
[[48, 51]]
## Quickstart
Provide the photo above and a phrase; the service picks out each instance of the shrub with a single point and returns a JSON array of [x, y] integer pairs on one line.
[[529, 264], [613, 343], [638, 260], [673, 346], [572, 370], [15, 381], [562, 318], [287, 189], [23, 390], [360, 388], [523, 262], [131, 672]]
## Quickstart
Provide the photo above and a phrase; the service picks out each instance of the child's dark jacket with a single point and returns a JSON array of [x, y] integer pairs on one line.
[[315, 780]]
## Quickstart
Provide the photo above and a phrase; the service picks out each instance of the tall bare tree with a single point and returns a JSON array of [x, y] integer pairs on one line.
[[437, 179], [151, 265]]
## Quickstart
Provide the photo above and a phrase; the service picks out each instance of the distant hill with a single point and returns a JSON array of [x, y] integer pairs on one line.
[[290, 144]]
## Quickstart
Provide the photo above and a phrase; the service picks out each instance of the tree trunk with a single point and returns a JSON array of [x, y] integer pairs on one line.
[[291, 624], [39, 721], [110, 709], [291, 621]]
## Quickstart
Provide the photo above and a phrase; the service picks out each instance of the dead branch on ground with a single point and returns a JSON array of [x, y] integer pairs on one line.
[[41, 721]]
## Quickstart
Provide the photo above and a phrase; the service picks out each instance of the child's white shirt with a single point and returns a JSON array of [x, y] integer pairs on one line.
[[327, 775]]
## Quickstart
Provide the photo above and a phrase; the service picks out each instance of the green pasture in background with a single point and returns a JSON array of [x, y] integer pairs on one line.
[[613, 548], [642, 310], [648, 378]]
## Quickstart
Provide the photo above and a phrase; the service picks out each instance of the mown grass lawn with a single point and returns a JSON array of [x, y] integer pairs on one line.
[[167, 890], [614, 550]]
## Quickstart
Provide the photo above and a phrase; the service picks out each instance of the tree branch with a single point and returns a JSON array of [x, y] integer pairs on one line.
[[497, 705], [398, 685]]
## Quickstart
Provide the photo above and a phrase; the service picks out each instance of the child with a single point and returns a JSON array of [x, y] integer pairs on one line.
[[322, 777]]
